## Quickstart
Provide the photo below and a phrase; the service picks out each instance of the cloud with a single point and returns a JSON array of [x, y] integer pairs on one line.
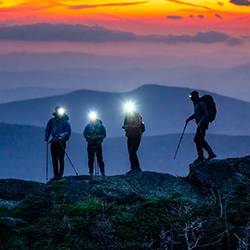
[[89, 6], [201, 16], [174, 17], [217, 15], [190, 4], [7, 23], [201, 37], [240, 2], [220, 3], [191, 16], [99, 34]]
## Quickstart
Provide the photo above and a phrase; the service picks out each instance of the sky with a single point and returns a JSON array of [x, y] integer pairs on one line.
[[209, 33]]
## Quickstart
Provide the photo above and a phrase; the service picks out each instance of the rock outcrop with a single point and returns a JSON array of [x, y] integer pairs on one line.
[[219, 174], [216, 175]]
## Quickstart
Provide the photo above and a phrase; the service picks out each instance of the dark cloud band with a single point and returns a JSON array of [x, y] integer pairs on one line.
[[99, 34], [240, 2]]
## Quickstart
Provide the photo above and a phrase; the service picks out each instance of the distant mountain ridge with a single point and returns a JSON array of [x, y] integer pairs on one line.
[[19, 94], [232, 82], [163, 109], [23, 153]]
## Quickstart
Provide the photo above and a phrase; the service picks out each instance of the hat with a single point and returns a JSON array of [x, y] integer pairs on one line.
[[194, 94]]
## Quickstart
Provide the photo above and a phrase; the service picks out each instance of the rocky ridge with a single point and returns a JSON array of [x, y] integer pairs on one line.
[[215, 175]]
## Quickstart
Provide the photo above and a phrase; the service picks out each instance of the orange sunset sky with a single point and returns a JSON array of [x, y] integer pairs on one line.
[[142, 17], [156, 28]]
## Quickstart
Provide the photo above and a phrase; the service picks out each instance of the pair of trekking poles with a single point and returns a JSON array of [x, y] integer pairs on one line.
[[182, 137], [47, 159]]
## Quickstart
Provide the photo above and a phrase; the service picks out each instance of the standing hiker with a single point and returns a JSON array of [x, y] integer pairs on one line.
[[202, 118], [94, 134], [134, 127], [60, 129]]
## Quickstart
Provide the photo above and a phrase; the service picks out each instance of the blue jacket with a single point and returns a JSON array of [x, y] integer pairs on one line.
[[94, 129], [58, 127], [200, 114]]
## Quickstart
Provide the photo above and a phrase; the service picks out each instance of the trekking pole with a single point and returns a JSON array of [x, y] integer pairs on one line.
[[47, 162], [95, 162], [68, 158], [180, 140]]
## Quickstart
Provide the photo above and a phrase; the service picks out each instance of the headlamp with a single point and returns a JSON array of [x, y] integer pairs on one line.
[[92, 116], [60, 111], [129, 107]]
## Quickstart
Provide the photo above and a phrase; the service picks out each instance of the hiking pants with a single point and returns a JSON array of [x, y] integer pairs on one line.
[[92, 150], [57, 153], [200, 141], [133, 145]]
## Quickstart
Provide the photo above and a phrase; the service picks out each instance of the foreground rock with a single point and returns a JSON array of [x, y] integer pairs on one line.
[[219, 174], [214, 175], [121, 188]]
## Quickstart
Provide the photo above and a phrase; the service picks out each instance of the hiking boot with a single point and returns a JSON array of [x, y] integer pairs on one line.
[[199, 159], [103, 174], [211, 156], [136, 171], [91, 174], [130, 171], [56, 178]]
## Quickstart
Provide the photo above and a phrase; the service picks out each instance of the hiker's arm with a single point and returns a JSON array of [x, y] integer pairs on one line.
[[47, 131], [205, 115], [189, 119], [103, 133], [67, 131]]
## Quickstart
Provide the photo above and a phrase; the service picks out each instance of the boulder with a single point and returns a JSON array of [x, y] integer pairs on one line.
[[219, 174]]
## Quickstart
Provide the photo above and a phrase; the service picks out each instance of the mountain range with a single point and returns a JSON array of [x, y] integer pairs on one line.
[[117, 74], [23, 153], [19, 94], [163, 109]]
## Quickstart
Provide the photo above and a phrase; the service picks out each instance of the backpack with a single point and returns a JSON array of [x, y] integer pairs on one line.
[[142, 125], [211, 106]]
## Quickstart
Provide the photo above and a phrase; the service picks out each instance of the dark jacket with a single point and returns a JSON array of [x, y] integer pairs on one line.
[[94, 129], [200, 114], [132, 123], [58, 127]]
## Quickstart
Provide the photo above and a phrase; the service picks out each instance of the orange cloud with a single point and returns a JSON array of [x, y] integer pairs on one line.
[[190, 4], [86, 6]]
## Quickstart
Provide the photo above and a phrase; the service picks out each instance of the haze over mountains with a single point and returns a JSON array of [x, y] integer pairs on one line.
[[164, 110], [120, 74]]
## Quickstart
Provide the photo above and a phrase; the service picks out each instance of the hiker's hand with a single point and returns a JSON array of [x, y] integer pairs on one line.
[[187, 121], [46, 138], [59, 137], [198, 125], [94, 137]]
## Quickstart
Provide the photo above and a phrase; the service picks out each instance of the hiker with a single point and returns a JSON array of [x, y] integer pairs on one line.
[[94, 134], [201, 117], [60, 129], [134, 127]]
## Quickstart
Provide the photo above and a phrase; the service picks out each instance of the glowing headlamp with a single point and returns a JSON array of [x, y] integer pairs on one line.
[[129, 107], [60, 111], [92, 116]]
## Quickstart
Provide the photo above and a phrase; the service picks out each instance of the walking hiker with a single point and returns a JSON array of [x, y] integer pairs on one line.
[[59, 128], [94, 134], [134, 127], [202, 118]]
